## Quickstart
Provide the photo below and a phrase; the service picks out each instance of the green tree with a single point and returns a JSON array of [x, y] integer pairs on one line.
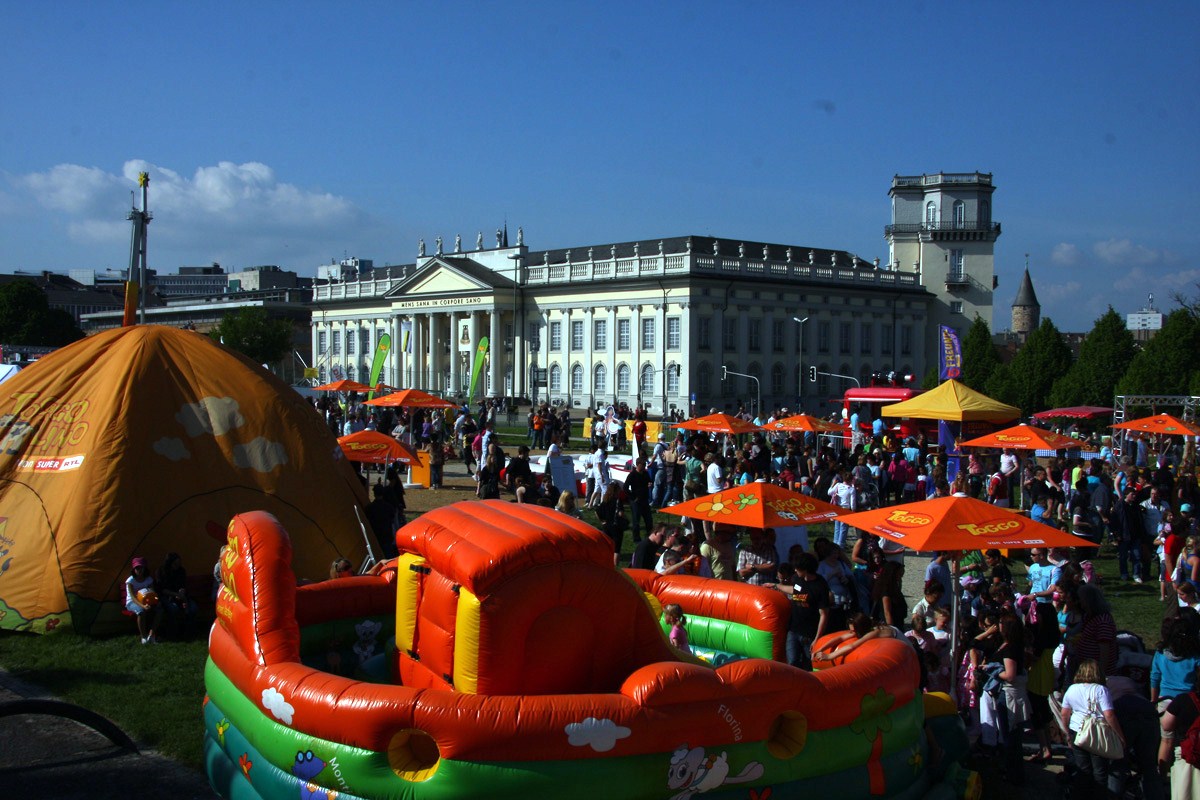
[[1026, 381], [931, 380], [1167, 364], [979, 355], [27, 319], [1103, 358], [254, 334]]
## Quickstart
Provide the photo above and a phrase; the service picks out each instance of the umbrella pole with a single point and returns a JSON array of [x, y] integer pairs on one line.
[[955, 595]]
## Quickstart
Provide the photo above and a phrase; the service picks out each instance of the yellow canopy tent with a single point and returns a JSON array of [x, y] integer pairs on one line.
[[955, 402], [146, 440]]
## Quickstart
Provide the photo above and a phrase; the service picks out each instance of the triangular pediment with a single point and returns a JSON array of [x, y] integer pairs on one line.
[[440, 276]]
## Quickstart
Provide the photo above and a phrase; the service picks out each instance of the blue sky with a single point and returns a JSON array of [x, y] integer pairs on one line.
[[296, 133]]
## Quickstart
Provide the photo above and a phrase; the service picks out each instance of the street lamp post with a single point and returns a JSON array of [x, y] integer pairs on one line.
[[800, 361]]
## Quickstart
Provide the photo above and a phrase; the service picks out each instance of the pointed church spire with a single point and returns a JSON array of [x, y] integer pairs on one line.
[[1026, 296], [504, 241]]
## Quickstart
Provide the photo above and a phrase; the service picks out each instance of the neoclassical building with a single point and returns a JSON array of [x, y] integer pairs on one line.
[[689, 322]]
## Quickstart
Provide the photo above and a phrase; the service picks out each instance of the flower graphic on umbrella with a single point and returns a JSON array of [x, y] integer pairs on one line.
[[744, 501], [715, 506]]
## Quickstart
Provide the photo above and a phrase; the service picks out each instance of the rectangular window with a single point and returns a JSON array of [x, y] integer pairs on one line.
[[600, 335], [337, 341], [906, 332], [865, 338], [673, 379], [823, 336], [674, 337], [365, 339], [885, 339], [845, 337], [648, 334], [623, 335], [729, 332], [577, 335], [777, 335], [704, 333], [755, 335], [321, 342], [534, 334], [956, 306], [555, 336], [956, 266], [350, 342]]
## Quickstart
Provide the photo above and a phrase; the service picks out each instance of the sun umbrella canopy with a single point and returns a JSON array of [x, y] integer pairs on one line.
[[373, 447], [1024, 437], [953, 401], [343, 386], [803, 422], [718, 423], [757, 505], [413, 398], [1161, 423], [1075, 412], [959, 523]]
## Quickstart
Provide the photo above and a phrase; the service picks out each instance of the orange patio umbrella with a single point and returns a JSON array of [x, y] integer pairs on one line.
[[959, 523], [803, 422], [373, 447], [718, 423], [1161, 423], [1024, 437], [757, 505], [343, 386], [414, 398]]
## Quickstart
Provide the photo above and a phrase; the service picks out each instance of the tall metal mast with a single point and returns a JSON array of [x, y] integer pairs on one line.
[[137, 245]]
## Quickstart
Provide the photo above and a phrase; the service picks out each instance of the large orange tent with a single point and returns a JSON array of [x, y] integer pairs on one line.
[[146, 440], [343, 386], [803, 422], [757, 505], [953, 401]]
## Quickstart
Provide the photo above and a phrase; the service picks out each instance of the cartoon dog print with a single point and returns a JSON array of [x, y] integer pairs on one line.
[[695, 772]]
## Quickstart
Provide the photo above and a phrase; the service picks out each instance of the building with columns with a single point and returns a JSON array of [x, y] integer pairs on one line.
[[657, 322]]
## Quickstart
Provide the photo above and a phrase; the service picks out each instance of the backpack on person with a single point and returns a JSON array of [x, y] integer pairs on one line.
[[1189, 746]]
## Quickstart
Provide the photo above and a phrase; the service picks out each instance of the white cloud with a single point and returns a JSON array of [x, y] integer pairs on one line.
[[599, 734], [242, 210], [261, 455], [215, 415], [1161, 283], [1065, 254], [1058, 292], [279, 707], [172, 448], [1124, 253]]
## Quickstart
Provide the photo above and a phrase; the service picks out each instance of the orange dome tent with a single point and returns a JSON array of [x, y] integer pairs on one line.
[[147, 440]]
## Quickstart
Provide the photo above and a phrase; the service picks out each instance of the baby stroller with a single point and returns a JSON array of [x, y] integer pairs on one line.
[[868, 495]]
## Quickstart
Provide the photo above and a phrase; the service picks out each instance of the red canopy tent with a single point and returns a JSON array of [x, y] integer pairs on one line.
[[1075, 412]]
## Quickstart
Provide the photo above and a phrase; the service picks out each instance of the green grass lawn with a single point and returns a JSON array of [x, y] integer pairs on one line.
[[154, 693]]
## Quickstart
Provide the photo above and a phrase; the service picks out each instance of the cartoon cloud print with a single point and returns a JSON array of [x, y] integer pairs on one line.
[[599, 734], [260, 454], [279, 707], [213, 415], [172, 448]]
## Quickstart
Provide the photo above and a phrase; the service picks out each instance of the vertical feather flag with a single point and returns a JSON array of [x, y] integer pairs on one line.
[[477, 370]]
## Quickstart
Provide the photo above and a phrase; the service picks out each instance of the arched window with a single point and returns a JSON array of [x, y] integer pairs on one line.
[[647, 382], [985, 212], [321, 375], [623, 379], [577, 379], [777, 379], [931, 214], [600, 380], [350, 373], [555, 378], [672, 379], [960, 214]]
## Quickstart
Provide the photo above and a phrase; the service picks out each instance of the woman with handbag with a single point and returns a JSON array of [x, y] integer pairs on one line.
[[1097, 741]]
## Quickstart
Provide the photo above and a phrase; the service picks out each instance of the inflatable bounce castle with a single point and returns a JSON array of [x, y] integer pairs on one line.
[[502, 656]]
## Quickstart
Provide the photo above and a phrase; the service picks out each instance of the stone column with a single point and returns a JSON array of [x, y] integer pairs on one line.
[[495, 353], [588, 357], [455, 357], [396, 356], [436, 368], [635, 355], [610, 391], [473, 333], [420, 379], [660, 353]]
